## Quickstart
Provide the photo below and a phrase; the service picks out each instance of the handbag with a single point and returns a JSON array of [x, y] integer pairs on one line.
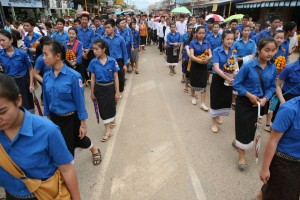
[[54, 188], [275, 100]]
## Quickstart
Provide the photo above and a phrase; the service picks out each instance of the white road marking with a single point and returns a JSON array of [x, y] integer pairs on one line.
[[143, 87], [194, 178], [109, 150]]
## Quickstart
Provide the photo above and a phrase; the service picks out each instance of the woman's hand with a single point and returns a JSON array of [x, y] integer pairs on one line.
[[117, 96], [82, 131], [93, 97], [31, 88], [264, 175], [263, 101], [253, 99]]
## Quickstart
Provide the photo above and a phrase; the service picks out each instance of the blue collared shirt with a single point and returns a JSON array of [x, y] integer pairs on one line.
[[28, 43], [17, 64], [100, 31], [252, 34], [38, 149], [208, 34], [291, 77], [220, 56], [184, 39], [287, 121], [86, 37], [283, 50], [60, 37], [117, 48], [247, 80], [244, 49], [172, 38], [214, 41], [263, 34], [104, 73], [136, 39], [79, 50], [40, 65], [126, 34], [64, 94], [199, 48]]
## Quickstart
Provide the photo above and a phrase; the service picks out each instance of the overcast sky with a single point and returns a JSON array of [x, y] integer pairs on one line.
[[141, 4]]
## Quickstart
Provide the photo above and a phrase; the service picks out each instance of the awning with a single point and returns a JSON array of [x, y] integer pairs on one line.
[[211, 3], [267, 4]]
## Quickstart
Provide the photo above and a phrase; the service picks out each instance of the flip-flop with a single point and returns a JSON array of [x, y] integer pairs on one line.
[[105, 137], [242, 167], [186, 90], [97, 158]]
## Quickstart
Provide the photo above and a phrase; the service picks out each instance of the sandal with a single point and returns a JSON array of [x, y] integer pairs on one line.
[[136, 72], [97, 158], [185, 90], [105, 137]]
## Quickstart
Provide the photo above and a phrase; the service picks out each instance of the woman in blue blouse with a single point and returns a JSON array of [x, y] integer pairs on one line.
[[104, 85], [220, 95], [73, 44], [173, 42], [64, 101], [280, 169], [33, 143], [255, 82], [15, 63]]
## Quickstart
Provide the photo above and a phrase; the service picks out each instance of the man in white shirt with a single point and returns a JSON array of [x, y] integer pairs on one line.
[[150, 29], [181, 25], [161, 33]]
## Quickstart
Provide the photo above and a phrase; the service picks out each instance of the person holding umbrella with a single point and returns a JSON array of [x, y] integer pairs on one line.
[[255, 82], [104, 85], [280, 170]]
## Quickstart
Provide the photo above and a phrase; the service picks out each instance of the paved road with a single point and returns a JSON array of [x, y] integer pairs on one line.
[[163, 148]]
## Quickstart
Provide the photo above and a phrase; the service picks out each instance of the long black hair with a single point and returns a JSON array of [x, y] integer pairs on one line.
[[39, 48], [10, 36], [8, 88], [102, 44]]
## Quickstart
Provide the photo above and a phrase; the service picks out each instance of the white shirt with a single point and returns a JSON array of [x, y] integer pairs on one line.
[[155, 25], [181, 27], [150, 23], [160, 29], [168, 30]]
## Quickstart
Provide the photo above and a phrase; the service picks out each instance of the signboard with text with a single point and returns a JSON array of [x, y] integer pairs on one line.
[[23, 3]]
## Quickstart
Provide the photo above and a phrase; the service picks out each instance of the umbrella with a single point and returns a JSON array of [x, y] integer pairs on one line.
[[96, 110], [217, 18], [258, 133], [239, 17], [37, 104], [118, 12], [85, 12], [182, 9], [157, 19]]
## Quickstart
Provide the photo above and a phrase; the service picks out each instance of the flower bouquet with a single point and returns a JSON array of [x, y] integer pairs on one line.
[[229, 68], [201, 57], [70, 55], [280, 63]]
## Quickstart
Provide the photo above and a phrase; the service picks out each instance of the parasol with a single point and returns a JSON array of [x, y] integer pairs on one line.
[[157, 19], [96, 110], [181, 9], [239, 17], [217, 18], [85, 12], [257, 136], [37, 104]]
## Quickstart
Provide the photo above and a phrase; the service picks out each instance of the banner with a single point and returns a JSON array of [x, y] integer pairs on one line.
[[23, 3]]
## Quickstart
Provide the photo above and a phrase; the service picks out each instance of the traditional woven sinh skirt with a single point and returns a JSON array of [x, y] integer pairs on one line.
[[69, 126], [135, 55], [220, 97], [171, 59], [105, 94], [198, 77], [27, 98], [143, 40]]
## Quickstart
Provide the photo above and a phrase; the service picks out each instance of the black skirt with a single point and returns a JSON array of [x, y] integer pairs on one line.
[[69, 126], [105, 94], [27, 98], [143, 40], [220, 95], [171, 59], [198, 76], [284, 182]]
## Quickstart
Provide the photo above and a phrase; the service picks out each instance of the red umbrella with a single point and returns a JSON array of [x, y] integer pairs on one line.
[[37, 104], [96, 110], [257, 136], [217, 18], [85, 12], [157, 19]]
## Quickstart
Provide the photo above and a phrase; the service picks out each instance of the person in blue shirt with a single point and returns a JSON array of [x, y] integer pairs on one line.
[[117, 50], [280, 168], [288, 81], [220, 94], [255, 82], [198, 71], [74, 45], [100, 30], [15, 63], [34, 143], [282, 45], [245, 21], [246, 48], [60, 35], [210, 23], [86, 36], [104, 85], [137, 47], [64, 102], [215, 39], [255, 31], [31, 40], [274, 23], [173, 46]]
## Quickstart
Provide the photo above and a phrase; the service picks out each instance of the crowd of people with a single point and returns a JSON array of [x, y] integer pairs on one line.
[[248, 63]]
